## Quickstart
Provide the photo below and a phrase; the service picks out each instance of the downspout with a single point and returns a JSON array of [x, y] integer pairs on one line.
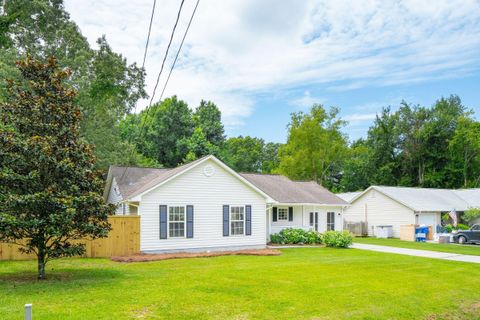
[[269, 221]]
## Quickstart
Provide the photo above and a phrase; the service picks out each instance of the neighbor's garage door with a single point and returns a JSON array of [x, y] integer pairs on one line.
[[429, 219]]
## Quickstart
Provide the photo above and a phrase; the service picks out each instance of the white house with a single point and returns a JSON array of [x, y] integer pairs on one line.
[[396, 206], [205, 205]]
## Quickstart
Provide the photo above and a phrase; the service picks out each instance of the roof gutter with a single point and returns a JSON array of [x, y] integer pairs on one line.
[[310, 204]]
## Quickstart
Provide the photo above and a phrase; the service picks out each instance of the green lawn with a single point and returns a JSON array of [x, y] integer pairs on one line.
[[305, 283], [450, 248]]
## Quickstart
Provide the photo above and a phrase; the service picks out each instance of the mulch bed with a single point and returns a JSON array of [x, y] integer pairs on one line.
[[144, 257], [278, 245]]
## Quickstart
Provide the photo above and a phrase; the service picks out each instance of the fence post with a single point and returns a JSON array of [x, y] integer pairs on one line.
[[28, 312]]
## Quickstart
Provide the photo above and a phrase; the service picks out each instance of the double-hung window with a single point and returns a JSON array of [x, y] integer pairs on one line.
[[330, 221], [176, 221], [282, 214], [237, 220]]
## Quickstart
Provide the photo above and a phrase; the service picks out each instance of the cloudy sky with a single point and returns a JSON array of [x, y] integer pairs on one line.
[[261, 60]]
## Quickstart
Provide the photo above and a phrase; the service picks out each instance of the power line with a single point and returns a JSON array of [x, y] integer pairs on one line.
[[164, 58], [166, 53], [161, 68], [179, 48], [148, 36], [174, 61], [146, 46]]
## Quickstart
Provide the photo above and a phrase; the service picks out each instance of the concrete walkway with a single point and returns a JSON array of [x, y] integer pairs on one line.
[[418, 253]]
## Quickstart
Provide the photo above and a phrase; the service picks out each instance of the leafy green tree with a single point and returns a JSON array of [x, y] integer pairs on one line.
[[197, 146], [208, 118], [50, 193], [382, 142], [316, 148], [465, 152], [270, 161], [159, 133], [107, 86], [244, 154], [425, 132], [471, 215], [356, 173]]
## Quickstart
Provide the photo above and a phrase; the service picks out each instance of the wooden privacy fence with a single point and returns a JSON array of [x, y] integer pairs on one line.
[[123, 239], [358, 229]]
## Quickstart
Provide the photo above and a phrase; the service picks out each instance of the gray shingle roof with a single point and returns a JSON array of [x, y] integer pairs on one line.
[[348, 196], [429, 199], [284, 190], [134, 180]]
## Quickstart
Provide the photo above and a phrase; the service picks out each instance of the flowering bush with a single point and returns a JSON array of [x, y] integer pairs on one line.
[[337, 239], [296, 236]]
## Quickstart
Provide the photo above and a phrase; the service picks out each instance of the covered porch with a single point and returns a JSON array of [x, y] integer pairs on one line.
[[305, 216]]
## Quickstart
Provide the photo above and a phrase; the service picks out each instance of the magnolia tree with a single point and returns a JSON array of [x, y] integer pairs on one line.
[[50, 194]]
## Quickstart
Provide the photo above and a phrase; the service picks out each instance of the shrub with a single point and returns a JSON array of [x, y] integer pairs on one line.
[[471, 215], [277, 238], [462, 227], [293, 235], [337, 239], [313, 237], [449, 228], [296, 236]]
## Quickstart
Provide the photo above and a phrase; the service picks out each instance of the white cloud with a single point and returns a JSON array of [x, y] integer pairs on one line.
[[307, 100], [358, 117], [237, 49]]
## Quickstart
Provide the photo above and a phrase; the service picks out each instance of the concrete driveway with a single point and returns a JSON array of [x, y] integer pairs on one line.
[[418, 253]]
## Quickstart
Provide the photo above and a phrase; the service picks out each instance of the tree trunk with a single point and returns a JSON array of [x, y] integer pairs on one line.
[[41, 265]]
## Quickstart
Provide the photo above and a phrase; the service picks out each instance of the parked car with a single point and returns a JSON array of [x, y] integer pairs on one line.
[[468, 236]]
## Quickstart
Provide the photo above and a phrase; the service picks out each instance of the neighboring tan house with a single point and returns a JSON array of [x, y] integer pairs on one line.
[[205, 205], [396, 206]]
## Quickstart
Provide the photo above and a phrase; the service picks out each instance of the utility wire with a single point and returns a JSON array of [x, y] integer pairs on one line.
[[161, 68], [166, 53], [148, 35], [163, 62], [143, 68], [146, 46], [175, 60], [179, 48]]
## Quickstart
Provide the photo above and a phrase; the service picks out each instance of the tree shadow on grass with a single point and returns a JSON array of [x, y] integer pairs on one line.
[[62, 275]]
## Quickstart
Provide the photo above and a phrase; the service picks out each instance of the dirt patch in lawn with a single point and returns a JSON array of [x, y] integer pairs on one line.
[[180, 255]]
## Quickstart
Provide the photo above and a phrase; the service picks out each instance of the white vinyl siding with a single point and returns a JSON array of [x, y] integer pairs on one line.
[[115, 197], [207, 195], [379, 210], [301, 218]]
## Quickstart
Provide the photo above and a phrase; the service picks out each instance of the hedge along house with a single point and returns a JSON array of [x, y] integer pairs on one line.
[[205, 205], [396, 206]]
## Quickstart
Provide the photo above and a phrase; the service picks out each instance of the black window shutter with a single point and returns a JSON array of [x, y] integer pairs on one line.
[[189, 221], [274, 215], [226, 220], [290, 213], [248, 220], [311, 218], [163, 221]]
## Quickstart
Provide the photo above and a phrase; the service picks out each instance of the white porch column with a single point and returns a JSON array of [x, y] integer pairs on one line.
[[269, 222]]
